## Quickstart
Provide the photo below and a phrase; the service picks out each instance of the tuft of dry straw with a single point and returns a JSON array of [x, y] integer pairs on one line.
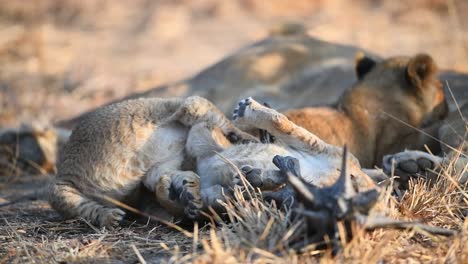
[[259, 232]]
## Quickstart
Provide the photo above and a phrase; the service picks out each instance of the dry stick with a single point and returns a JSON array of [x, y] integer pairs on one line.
[[390, 223], [384, 222], [136, 211]]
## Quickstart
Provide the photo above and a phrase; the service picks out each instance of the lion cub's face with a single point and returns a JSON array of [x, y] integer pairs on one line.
[[407, 87]]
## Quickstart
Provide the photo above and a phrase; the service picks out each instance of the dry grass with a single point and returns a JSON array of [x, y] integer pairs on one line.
[[261, 233], [38, 236], [60, 58], [251, 231]]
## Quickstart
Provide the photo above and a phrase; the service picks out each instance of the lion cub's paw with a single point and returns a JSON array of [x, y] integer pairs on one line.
[[254, 114], [253, 175], [411, 164], [248, 108], [110, 218], [186, 191], [239, 111]]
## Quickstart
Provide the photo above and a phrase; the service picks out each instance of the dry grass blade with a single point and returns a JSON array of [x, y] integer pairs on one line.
[[136, 211], [455, 101], [137, 252]]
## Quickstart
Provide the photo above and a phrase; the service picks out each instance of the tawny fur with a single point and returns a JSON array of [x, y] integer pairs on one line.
[[364, 118], [320, 162], [358, 119], [120, 146], [154, 141]]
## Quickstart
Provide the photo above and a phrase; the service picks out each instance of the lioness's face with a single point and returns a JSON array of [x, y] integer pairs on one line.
[[408, 83]]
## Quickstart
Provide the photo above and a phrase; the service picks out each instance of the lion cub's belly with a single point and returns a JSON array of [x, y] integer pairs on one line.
[[165, 145], [318, 169]]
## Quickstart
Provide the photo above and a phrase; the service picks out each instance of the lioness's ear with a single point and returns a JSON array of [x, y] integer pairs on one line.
[[364, 65], [421, 68]]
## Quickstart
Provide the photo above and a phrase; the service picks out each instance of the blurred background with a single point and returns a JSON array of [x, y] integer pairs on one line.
[[61, 57]]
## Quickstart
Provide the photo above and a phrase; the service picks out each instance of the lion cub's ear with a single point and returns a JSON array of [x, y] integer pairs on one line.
[[421, 69], [364, 65]]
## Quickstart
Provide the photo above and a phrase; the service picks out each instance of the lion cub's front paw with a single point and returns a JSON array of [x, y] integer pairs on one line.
[[411, 164], [193, 203], [186, 191]]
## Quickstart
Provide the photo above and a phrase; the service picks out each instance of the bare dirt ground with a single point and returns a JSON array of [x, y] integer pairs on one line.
[[60, 58]]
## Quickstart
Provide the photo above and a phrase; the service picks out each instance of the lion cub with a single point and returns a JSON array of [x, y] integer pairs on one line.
[[118, 147], [320, 163], [378, 114]]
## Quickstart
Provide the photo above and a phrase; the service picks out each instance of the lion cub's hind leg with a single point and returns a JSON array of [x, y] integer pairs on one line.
[[71, 203]]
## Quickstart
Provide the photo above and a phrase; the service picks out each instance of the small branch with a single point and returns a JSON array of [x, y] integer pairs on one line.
[[403, 225]]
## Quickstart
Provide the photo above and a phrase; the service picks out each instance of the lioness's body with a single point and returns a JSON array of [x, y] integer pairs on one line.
[[154, 141]]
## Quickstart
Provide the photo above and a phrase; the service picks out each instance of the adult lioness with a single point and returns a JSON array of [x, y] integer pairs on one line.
[[151, 141], [378, 114]]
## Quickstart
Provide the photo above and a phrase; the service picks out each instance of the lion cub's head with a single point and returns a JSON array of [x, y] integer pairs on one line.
[[405, 87]]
